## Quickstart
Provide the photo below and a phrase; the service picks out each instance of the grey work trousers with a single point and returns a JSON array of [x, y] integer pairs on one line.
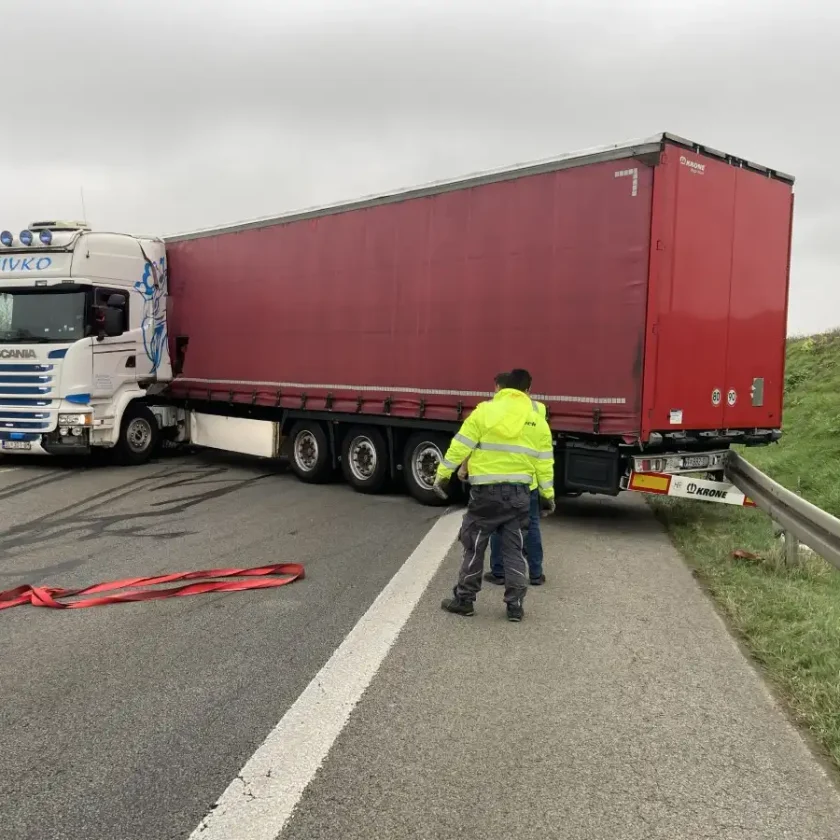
[[501, 509]]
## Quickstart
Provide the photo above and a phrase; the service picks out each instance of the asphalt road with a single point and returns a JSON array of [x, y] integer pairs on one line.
[[126, 722], [621, 709]]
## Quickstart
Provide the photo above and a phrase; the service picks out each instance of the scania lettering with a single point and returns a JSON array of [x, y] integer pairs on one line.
[[353, 337], [17, 354]]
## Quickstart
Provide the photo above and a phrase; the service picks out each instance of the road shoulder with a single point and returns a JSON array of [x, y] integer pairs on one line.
[[621, 707]]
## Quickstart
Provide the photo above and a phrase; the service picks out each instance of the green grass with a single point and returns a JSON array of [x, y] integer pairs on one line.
[[789, 618]]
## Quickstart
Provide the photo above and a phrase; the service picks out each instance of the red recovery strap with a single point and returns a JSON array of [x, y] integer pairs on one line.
[[278, 574]]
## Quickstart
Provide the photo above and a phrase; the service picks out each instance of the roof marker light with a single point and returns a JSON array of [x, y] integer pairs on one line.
[[45, 236], [26, 237], [6, 238]]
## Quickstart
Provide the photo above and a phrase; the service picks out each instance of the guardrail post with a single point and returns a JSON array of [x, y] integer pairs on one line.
[[791, 549], [796, 517]]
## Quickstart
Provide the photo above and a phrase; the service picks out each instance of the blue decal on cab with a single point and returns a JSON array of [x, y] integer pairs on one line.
[[10, 264], [152, 286]]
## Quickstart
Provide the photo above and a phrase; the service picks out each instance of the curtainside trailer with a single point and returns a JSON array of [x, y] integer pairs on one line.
[[644, 285]]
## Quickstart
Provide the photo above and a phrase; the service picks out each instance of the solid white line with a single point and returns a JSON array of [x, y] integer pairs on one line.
[[261, 799], [7, 469]]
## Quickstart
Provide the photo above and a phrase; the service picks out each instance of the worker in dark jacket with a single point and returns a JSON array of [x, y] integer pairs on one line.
[[508, 443]]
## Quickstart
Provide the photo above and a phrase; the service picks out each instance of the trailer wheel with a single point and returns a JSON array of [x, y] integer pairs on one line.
[[364, 459], [139, 436], [423, 453], [309, 455]]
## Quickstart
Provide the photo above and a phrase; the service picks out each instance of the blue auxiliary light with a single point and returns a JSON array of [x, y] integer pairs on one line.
[[26, 237], [45, 236], [6, 238]]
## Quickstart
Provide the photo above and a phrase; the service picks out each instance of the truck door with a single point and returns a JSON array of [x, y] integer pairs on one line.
[[754, 383], [114, 357], [688, 295]]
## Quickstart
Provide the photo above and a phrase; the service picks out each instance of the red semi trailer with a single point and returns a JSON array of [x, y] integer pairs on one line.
[[644, 285]]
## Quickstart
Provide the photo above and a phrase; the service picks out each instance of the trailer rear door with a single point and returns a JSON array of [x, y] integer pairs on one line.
[[717, 296]]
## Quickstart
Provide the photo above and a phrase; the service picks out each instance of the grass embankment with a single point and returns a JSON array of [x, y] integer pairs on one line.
[[789, 618]]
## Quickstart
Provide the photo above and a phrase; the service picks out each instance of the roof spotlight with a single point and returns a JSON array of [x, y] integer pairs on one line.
[[45, 236], [26, 237], [6, 238]]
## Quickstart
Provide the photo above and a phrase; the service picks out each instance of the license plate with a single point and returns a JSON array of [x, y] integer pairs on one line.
[[696, 462], [17, 444]]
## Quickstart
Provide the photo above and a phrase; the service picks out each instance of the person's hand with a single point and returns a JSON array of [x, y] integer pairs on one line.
[[440, 487], [548, 507], [463, 472]]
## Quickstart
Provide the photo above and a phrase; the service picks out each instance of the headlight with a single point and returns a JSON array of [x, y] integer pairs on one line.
[[74, 420]]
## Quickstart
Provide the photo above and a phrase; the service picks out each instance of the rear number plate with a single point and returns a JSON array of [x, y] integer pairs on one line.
[[697, 462], [17, 444]]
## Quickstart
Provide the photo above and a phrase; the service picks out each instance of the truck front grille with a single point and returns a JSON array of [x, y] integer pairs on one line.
[[27, 400]]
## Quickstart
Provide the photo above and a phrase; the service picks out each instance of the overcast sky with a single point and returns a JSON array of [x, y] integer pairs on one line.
[[179, 114]]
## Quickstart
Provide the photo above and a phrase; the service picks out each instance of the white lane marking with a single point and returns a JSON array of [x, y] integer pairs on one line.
[[260, 800], [7, 469]]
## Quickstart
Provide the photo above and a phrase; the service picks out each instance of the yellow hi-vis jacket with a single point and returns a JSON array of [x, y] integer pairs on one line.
[[540, 408], [507, 440]]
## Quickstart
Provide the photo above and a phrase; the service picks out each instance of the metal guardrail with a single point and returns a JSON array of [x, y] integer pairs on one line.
[[802, 521]]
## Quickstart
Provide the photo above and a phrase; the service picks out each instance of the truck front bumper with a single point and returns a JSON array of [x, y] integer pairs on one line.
[[65, 440]]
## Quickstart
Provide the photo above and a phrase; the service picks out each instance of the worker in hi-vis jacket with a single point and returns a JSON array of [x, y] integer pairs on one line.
[[533, 544], [508, 444]]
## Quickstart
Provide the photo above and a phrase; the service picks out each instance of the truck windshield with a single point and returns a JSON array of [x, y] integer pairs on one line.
[[42, 316]]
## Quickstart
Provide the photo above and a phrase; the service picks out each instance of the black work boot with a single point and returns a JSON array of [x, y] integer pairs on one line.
[[515, 612], [538, 581], [458, 606], [491, 578]]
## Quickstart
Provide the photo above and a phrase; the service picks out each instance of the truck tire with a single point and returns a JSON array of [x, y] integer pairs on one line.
[[365, 460], [139, 436], [309, 452], [423, 452]]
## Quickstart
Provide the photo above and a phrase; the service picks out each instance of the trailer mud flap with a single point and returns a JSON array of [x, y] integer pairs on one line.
[[688, 487]]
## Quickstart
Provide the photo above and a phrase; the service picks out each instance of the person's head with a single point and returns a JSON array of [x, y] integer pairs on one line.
[[501, 381], [519, 380]]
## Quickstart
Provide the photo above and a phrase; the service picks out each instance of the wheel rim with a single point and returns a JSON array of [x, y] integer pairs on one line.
[[138, 435], [424, 464], [306, 451], [363, 458]]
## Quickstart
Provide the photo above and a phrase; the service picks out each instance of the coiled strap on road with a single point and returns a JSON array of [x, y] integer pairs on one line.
[[278, 574]]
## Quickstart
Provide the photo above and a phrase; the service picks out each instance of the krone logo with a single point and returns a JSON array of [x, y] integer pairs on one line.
[[705, 493], [694, 165]]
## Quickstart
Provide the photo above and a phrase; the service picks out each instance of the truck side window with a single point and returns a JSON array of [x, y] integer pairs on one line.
[[101, 297]]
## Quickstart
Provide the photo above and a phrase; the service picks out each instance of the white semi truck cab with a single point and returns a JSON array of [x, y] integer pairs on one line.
[[83, 340]]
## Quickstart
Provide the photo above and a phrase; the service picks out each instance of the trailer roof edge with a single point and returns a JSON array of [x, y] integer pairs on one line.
[[649, 146]]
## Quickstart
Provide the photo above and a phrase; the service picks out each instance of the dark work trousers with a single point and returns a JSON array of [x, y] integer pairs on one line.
[[533, 545], [495, 509]]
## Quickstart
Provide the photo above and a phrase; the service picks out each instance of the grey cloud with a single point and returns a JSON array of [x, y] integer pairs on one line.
[[184, 114]]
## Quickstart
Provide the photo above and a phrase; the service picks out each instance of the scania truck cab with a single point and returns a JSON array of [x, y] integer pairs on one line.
[[82, 340]]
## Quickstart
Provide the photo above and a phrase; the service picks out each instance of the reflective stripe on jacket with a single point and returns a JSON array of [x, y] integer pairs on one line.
[[507, 441], [540, 409]]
